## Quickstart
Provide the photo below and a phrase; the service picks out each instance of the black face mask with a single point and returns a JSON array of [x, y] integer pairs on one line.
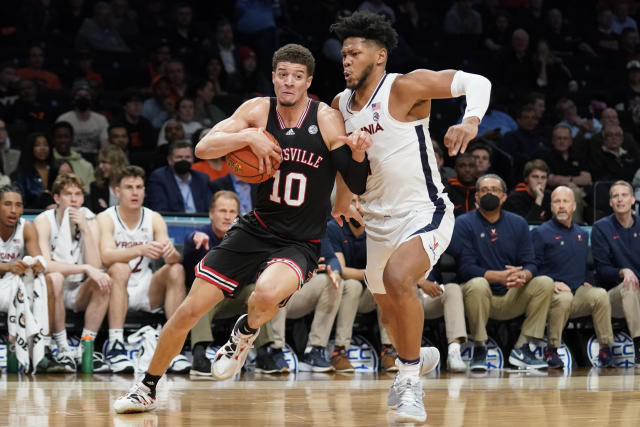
[[489, 202], [182, 167], [82, 104], [355, 223]]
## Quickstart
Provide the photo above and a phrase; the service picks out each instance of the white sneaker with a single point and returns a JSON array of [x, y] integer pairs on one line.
[[429, 359], [118, 360], [454, 359], [180, 365], [410, 407], [66, 358], [231, 356], [138, 399]]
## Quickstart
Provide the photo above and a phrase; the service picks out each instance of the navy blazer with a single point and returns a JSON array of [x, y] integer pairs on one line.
[[163, 194], [225, 183]]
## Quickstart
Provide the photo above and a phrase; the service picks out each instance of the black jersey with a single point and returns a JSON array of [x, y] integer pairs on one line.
[[294, 202]]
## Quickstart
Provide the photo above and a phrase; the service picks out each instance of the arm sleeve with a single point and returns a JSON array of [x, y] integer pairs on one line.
[[477, 89], [354, 173], [602, 257]]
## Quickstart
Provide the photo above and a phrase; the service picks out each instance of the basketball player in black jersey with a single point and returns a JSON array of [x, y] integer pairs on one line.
[[279, 240]]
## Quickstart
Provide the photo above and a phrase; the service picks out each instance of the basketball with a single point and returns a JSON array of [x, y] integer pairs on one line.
[[244, 164]]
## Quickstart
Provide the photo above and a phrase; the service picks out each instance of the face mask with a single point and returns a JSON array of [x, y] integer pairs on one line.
[[82, 104], [489, 202], [355, 223], [182, 167]]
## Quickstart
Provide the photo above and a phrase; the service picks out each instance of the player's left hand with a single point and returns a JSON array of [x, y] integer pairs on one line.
[[168, 250], [37, 267], [359, 142], [458, 136]]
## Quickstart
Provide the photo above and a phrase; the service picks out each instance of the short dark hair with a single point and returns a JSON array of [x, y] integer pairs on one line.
[[480, 146], [131, 171], [10, 188], [61, 125], [464, 156], [492, 176], [296, 54], [532, 165], [181, 143], [369, 26]]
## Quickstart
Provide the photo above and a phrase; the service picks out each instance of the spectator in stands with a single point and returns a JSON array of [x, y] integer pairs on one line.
[[580, 127], [141, 133], [62, 135], [206, 112], [514, 67], [616, 252], [629, 49], [247, 81], [527, 142], [461, 18], [348, 243], [498, 32], [553, 75], [32, 175], [214, 168], [531, 199], [482, 153], [176, 187], [445, 171], [603, 40], [157, 64], [100, 33], [496, 261], [30, 112], [612, 162], [185, 115], [119, 137], [111, 162], [216, 75], [35, 70], [9, 157], [462, 188], [84, 68], [155, 108], [608, 117], [125, 21], [177, 78], [68, 238], [89, 127], [568, 167], [628, 95], [8, 83], [185, 36], [127, 255], [621, 19], [562, 39], [223, 210], [561, 248], [225, 47]]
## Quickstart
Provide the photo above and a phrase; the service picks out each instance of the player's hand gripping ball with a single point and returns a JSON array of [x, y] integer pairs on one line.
[[245, 165]]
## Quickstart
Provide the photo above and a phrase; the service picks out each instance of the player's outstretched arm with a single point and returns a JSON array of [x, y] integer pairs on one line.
[[422, 85], [224, 137]]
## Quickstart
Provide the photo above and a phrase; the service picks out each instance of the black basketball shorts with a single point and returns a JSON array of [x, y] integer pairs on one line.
[[247, 249]]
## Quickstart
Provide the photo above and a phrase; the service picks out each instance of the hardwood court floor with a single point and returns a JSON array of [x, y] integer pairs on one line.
[[585, 398]]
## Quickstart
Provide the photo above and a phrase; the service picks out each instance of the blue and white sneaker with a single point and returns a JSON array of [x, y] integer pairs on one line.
[[429, 359], [524, 358], [118, 360], [314, 361]]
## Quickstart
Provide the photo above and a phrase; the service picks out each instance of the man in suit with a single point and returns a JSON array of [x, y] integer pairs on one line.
[[248, 193], [176, 187]]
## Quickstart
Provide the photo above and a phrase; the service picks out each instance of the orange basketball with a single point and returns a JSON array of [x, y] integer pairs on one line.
[[244, 164]]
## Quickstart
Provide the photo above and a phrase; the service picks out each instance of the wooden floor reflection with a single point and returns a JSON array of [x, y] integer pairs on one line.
[[584, 398]]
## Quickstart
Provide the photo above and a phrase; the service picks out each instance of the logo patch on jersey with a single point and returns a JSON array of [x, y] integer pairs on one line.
[[313, 129], [376, 116], [375, 106], [290, 132]]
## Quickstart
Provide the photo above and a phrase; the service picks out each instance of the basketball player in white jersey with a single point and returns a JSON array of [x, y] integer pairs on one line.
[[131, 236], [408, 216], [68, 239], [16, 234]]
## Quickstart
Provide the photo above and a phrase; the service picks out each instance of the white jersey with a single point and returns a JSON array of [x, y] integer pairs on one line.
[[13, 248], [76, 251], [126, 238], [404, 175]]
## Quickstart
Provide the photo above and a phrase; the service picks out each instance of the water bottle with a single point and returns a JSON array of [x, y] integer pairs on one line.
[[87, 354], [12, 360]]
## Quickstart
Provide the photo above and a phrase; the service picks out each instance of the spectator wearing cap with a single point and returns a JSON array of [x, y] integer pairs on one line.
[[100, 33], [35, 70], [89, 127], [141, 133], [156, 109], [246, 81]]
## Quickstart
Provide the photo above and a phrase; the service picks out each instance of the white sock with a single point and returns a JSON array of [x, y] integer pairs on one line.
[[87, 334], [47, 341], [407, 371], [454, 347], [115, 335], [61, 340]]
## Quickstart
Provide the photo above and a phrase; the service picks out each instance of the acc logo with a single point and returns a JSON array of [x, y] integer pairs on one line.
[[361, 354], [621, 350], [495, 360], [540, 345], [313, 129]]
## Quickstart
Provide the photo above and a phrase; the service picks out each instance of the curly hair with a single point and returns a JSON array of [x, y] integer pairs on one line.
[[296, 54], [369, 26]]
